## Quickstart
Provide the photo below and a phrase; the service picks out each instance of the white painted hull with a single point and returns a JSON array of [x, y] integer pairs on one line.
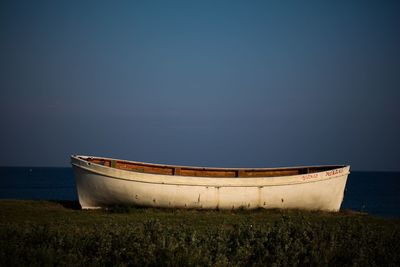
[[101, 186]]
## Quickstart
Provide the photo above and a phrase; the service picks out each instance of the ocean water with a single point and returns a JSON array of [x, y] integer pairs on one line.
[[377, 193], [37, 183]]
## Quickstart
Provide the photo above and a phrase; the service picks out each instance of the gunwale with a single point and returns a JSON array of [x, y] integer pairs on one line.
[[193, 171]]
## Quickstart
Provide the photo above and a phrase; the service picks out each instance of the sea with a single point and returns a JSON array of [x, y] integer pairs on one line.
[[375, 193]]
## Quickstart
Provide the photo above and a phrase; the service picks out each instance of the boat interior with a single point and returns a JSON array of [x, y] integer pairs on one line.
[[204, 171]]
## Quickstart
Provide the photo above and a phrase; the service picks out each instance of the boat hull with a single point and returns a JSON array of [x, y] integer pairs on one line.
[[99, 186]]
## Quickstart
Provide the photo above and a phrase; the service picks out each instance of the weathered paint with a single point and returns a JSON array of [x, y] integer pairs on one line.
[[101, 186]]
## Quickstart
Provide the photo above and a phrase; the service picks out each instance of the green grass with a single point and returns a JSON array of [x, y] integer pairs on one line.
[[55, 233]]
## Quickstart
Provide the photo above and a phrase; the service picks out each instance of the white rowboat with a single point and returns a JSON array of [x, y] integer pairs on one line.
[[103, 182]]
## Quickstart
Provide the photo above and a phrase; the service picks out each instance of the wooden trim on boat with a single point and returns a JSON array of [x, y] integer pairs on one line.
[[202, 171]]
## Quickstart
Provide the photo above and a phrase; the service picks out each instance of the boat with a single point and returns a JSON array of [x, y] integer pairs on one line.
[[104, 182]]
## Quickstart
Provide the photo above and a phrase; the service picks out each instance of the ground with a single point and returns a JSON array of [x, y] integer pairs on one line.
[[59, 233]]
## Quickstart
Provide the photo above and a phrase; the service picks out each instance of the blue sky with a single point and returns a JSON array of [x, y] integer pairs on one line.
[[211, 83]]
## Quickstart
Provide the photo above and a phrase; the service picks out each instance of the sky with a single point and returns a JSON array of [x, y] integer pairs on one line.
[[204, 83]]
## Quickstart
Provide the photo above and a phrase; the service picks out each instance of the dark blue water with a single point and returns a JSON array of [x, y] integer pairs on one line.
[[377, 193], [37, 183]]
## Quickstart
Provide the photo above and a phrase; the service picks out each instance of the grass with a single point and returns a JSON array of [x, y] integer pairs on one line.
[[57, 233]]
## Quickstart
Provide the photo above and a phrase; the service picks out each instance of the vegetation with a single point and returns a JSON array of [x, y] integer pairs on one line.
[[55, 233]]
